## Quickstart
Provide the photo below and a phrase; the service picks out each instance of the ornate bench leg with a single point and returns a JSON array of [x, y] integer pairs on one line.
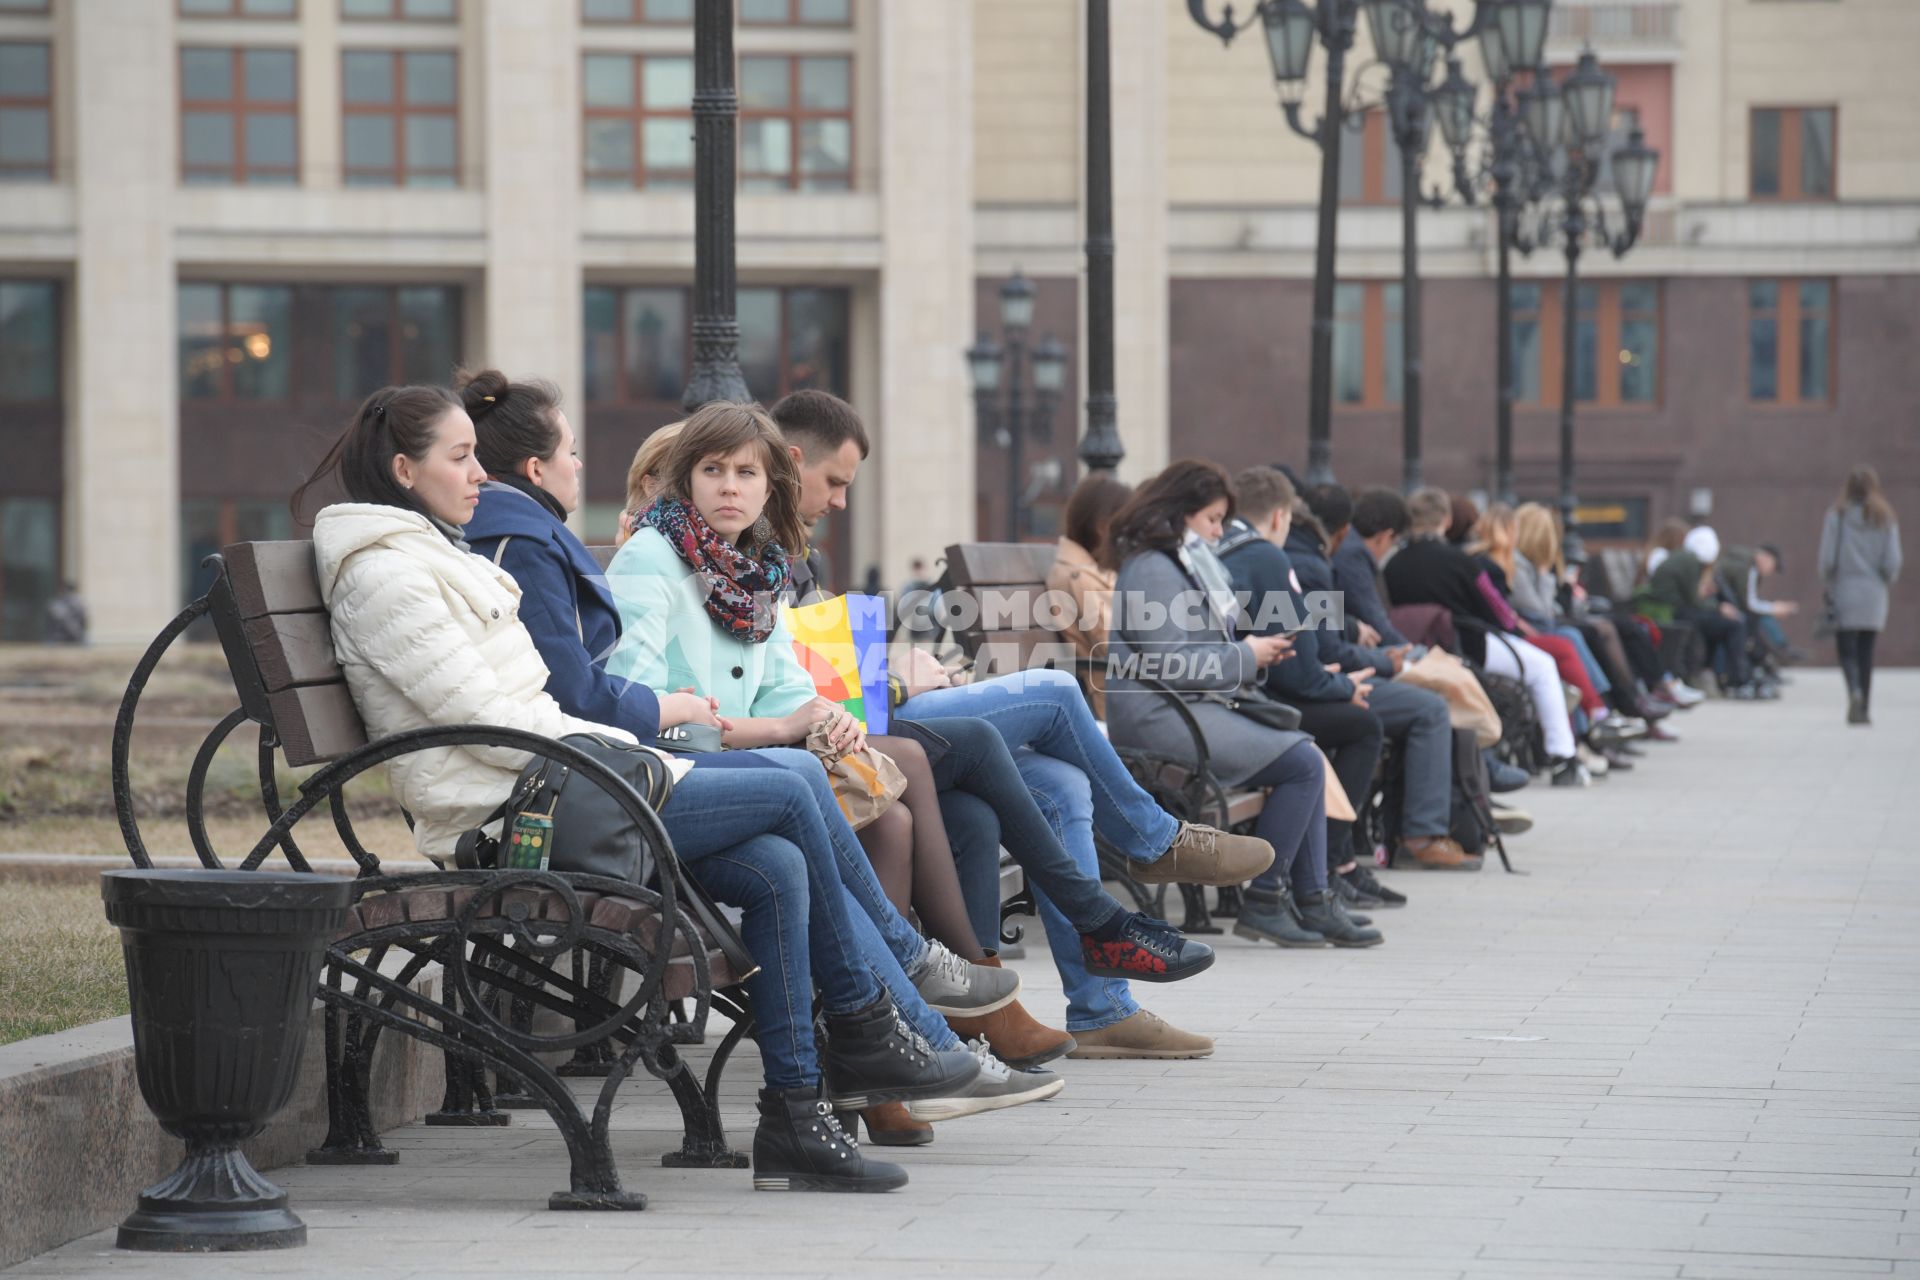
[[1198, 919], [1229, 901], [594, 1059], [704, 1145], [351, 1138], [509, 1092]]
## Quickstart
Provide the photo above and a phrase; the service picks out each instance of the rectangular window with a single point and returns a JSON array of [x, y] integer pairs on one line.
[[238, 116], [236, 342], [639, 121], [1368, 351], [29, 342], [29, 565], [638, 347], [678, 12], [25, 6], [1791, 153], [1370, 162], [399, 10], [401, 118], [1616, 344], [238, 8], [1790, 341], [206, 526], [796, 124], [390, 337], [796, 13], [26, 112]]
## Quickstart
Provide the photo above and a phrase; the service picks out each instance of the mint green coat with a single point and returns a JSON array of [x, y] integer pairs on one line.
[[668, 642]]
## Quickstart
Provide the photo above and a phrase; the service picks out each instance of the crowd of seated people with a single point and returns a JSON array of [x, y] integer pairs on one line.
[[458, 595]]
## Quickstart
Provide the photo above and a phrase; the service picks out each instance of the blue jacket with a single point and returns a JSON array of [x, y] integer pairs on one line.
[[1355, 573], [1260, 568], [565, 604], [1316, 574]]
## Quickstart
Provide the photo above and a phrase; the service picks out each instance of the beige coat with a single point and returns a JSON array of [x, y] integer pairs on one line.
[[1074, 573], [429, 634]]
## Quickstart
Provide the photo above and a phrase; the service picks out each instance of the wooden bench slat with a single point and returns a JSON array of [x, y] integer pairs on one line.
[[603, 556], [1244, 806], [316, 722], [292, 649], [273, 577], [989, 563]]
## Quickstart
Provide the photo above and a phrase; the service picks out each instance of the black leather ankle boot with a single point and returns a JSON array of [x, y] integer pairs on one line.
[[800, 1146]]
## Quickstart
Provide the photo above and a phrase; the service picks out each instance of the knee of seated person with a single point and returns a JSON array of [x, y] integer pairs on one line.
[[1064, 788], [775, 870], [894, 823], [907, 753]]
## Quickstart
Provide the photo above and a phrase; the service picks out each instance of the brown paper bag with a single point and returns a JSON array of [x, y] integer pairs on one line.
[[1468, 706], [865, 782], [1339, 808]]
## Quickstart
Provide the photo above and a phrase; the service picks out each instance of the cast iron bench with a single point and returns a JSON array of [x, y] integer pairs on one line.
[[510, 942], [994, 605]]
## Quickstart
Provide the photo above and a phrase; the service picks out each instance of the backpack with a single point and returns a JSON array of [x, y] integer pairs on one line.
[[1523, 743], [1470, 812]]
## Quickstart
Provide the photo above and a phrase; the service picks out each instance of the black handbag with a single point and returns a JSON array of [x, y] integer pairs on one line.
[[1260, 709], [556, 821]]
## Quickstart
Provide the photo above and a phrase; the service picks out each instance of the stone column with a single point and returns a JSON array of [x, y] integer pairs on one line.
[[123, 423], [923, 451], [530, 114], [1141, 263]]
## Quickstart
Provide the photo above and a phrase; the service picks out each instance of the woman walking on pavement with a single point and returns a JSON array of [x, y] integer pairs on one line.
[[1859, 559]]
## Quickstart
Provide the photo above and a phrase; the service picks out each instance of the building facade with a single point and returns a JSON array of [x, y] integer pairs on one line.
[[223, 222]]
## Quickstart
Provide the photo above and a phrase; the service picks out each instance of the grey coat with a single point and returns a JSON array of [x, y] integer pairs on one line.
[[1196, 661], [1858, 562]]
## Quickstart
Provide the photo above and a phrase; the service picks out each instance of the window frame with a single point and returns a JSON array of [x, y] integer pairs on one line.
[[45, 8], [1378, 161], [398, 110], [235, 10], [1787, 314], [793, 19], [1379, 323], [17, 173], [1608, 312], [636, 116], [796, 116], [225, 397], [239, 108], [56, 297], [782, 337], [1792, 153], [395, 374], [395, 13]]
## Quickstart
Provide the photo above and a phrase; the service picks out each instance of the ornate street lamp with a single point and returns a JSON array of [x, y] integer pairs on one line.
[[715, 374], [1100, 448], [991, 366], [1572, 163]]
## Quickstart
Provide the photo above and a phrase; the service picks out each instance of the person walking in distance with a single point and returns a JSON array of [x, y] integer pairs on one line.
[[1859, 560]]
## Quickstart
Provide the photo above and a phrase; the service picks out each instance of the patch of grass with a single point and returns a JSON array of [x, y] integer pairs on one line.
[[60, 963]]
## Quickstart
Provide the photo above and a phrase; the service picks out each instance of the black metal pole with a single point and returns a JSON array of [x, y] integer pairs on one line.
[[1016, 419], [1503, 335], [1411, 117], [716, 109], [1574, 227], [1336, 34], [1100, 448]]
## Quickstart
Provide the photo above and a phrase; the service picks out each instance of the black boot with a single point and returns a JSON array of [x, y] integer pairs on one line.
[[1267, 916], [1321, 913], [873, 1056], [800, 1146], [1857, 710]]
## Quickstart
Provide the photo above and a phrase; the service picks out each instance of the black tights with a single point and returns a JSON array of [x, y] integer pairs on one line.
[[908, 848], [1856, 660]]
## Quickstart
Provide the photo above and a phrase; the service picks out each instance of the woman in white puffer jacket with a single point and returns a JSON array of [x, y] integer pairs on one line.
[[427, 634]]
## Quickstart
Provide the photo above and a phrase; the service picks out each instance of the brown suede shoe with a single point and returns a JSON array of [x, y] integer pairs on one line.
[[1205, 855], [889, 1125], [1141, 1035], [1012, 1033], [1441, 853]]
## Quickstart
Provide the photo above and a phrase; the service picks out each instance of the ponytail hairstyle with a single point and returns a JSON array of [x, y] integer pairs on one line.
[[512, 421], [391, 421], [1155, 517]]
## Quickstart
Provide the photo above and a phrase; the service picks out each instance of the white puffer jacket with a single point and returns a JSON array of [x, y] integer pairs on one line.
[[429, 634]]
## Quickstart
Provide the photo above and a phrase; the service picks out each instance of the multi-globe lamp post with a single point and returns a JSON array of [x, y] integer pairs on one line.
[[1006, 419]]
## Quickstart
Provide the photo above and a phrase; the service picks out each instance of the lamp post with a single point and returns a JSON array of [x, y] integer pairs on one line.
[[993, 365], [715, 374], [1290, 27], [1512, 40], [1100, 448], [1584, 117]]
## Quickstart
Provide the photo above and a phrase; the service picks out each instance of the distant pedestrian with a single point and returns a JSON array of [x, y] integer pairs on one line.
[[1859, 560], [67, 617]]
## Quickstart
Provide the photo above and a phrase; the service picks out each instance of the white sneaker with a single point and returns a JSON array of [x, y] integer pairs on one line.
[[996, 1087], [957, 988], [1686, 695], [1595, 762], [1511, 820]]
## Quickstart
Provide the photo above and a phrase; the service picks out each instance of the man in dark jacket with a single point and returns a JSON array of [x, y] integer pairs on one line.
[[1349, 715], [1379, 520]]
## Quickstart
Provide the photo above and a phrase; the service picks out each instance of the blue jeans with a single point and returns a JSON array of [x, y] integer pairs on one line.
[[1046, 711], [884, 938], [976, 762], [754, 838]]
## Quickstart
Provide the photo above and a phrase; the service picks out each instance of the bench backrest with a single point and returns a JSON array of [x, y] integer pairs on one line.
[[994, 601], [274, 628]]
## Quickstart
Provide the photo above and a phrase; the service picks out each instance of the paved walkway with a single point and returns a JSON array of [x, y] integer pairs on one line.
[[1687, 1045]]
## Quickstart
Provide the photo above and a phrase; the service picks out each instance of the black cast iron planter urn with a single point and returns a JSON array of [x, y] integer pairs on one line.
[[221, 968]]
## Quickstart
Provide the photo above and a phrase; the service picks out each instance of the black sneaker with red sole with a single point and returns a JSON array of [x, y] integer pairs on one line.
[[1146, 950]]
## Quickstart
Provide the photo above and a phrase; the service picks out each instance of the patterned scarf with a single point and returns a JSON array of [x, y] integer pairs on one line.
[[743, 590]]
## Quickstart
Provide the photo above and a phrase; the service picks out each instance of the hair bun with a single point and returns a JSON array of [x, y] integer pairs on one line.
[[481, 391]]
